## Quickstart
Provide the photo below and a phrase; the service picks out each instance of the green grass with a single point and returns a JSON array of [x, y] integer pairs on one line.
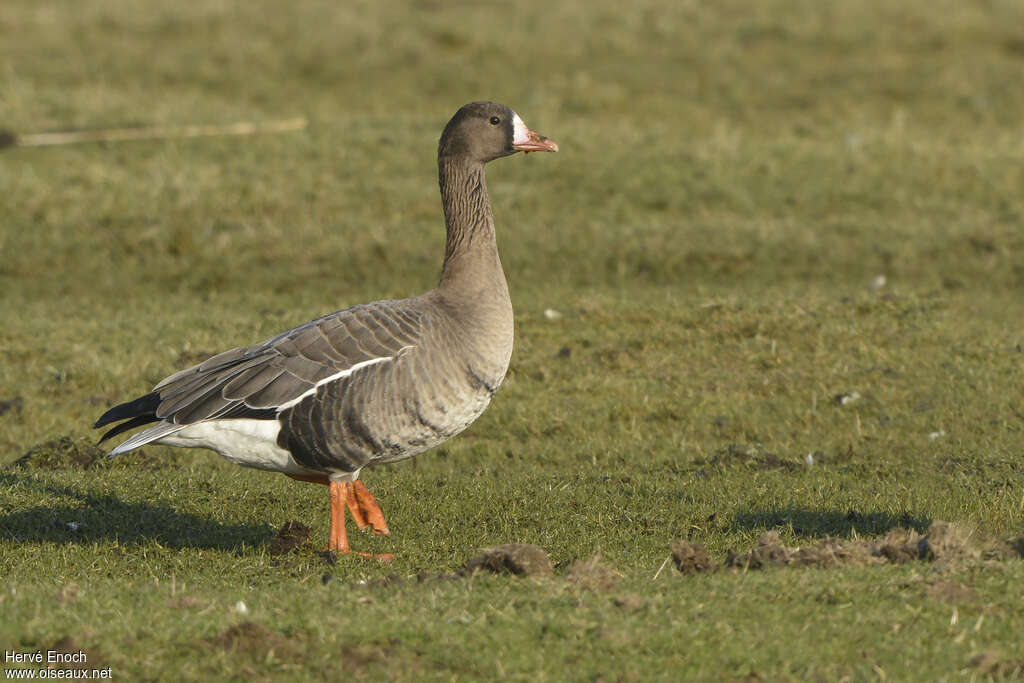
[[733, 177]]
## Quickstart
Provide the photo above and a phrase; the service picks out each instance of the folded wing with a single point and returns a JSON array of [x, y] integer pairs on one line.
[[259, 381]]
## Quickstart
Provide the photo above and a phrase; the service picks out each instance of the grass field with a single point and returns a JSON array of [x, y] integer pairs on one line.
[[735, 181]]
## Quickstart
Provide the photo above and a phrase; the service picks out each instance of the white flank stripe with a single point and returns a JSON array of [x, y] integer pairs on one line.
[[344, 373]]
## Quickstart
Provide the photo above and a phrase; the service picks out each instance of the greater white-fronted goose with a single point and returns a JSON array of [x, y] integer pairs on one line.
[[370, 384]]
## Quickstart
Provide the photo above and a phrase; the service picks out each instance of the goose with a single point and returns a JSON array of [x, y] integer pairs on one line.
[[366, 385]]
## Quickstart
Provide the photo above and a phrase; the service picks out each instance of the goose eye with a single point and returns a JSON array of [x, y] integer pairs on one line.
[[495, 120]]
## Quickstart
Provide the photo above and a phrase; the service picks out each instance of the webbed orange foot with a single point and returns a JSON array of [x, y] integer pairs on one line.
[[366, 512]]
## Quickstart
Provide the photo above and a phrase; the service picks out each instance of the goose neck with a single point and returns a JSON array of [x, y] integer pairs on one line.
[[470, 248]]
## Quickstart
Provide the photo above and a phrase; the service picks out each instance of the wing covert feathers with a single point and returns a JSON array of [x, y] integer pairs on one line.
[[256, 381]]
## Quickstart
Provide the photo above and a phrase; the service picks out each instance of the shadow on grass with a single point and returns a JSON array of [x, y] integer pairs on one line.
[[830, 522], [106, 517]]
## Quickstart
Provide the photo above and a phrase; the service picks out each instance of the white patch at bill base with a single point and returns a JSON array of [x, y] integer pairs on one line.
[[520, 133]]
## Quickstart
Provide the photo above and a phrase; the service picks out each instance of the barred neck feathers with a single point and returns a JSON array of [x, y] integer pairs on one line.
[[471, 246]]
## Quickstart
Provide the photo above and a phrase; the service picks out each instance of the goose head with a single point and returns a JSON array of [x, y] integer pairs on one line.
[[484, 131]]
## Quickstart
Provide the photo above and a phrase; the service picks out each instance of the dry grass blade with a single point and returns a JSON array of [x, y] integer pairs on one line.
[[154, 132]]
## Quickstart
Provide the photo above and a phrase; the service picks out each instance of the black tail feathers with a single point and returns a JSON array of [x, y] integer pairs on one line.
[[138, 412]]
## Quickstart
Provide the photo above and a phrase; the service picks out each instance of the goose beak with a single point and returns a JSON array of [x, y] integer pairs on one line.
[[526, 140]]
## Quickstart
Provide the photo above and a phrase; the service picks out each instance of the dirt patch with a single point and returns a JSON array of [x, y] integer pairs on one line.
[[951, 541], [748, 455], [691, 558], [291, 536], [11, 405], [943, 543], [900, 545], [592, 575], [64, 453], [255, 640], [67, 453], [828, 552], [521, 559]]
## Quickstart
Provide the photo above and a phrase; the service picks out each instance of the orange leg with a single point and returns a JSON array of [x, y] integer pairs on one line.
[[363, 506], [338, 540]]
